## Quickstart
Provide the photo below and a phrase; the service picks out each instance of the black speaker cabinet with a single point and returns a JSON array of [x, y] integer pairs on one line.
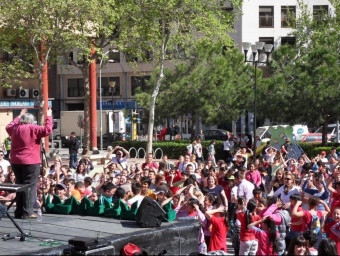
[[149, 213]]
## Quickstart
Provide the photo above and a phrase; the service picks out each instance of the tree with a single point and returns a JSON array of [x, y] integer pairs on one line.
[[92, 26], [29, 32], [306, 76], [170, 28], [215, 85]]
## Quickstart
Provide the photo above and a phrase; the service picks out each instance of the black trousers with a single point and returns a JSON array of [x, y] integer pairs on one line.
[[26, 174]]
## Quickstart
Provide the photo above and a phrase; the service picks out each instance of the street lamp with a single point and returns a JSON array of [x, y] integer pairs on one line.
[[112, 85], [256, 49], [100, 92]]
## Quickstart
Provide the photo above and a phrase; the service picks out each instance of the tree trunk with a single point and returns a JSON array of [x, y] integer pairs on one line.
[[86, 142], [152, 109], [324, 132], [193, 128]]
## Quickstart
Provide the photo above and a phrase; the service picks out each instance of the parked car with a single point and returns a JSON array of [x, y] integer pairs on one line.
[[215, 134], [109, 138], [314, 138]]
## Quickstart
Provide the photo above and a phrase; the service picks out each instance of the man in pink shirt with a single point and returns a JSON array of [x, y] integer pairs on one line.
[[25, 157]]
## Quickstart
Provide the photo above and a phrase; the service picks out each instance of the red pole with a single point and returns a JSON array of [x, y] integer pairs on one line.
[[93, 102], [45, 92]]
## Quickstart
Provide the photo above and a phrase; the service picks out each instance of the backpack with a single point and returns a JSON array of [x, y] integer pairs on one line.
[[315, 224]]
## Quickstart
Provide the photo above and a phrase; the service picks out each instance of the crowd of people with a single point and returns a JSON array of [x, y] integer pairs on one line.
[[269, 205]]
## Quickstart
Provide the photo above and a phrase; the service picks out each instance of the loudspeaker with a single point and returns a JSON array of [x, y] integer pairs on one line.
[[149, 213]]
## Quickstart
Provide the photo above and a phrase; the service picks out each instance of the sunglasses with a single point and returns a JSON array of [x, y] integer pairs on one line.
[[287, 179]]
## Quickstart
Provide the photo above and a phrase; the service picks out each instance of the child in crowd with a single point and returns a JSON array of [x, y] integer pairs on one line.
[[266, 236], [78, 191], [219, 228]]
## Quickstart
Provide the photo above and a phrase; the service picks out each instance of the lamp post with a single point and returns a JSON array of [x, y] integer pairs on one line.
[[256, 49], [112, 85]]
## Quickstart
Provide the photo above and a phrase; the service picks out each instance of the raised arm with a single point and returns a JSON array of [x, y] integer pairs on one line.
[[295, 212], [330, 186], [210, 213]]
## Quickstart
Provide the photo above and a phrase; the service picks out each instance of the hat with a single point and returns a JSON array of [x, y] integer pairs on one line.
[[231, 177], [161, 189], [61, 186]]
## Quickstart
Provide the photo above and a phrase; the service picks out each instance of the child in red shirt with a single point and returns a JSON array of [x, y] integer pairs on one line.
[[248, 242], [219, 228], [331, 227], [266, 236]]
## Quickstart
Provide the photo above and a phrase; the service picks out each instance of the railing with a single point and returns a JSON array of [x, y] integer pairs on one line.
[[266, 21]]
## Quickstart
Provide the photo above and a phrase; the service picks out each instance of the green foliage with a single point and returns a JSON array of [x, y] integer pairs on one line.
[[314, 149], [174, 149], [215, 85], [306, 76]]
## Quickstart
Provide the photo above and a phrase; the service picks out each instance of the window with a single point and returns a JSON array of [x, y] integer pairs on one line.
[[288, 40], [319, 11], [75, 87], [266, 17], [288, 16], [106, 89], [138, 81]]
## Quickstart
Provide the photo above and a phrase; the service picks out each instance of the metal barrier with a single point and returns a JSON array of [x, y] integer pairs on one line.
[[135, 150], [143, 151], [154, 153]]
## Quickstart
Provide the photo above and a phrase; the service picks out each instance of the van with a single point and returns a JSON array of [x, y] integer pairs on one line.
[[298, 131], [331, 131]]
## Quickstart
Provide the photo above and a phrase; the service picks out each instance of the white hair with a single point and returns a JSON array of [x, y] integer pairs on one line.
[[27, 118]]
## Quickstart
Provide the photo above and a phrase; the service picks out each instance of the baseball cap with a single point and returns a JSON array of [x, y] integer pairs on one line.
[[61, 186]]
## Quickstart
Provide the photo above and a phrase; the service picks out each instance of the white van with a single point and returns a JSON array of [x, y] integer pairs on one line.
[[331, 130], [298, 131]]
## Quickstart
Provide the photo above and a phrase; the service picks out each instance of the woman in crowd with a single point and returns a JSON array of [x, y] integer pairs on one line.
[[216, 190], [298, 246], [277, 182], [289, 188], [81, 172]]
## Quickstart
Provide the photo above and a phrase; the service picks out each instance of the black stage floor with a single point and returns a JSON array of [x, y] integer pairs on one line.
[[50, 235]]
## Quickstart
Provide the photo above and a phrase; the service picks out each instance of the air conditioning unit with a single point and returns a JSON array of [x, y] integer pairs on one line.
[[23, 93], [35, 93], [11, 93]]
